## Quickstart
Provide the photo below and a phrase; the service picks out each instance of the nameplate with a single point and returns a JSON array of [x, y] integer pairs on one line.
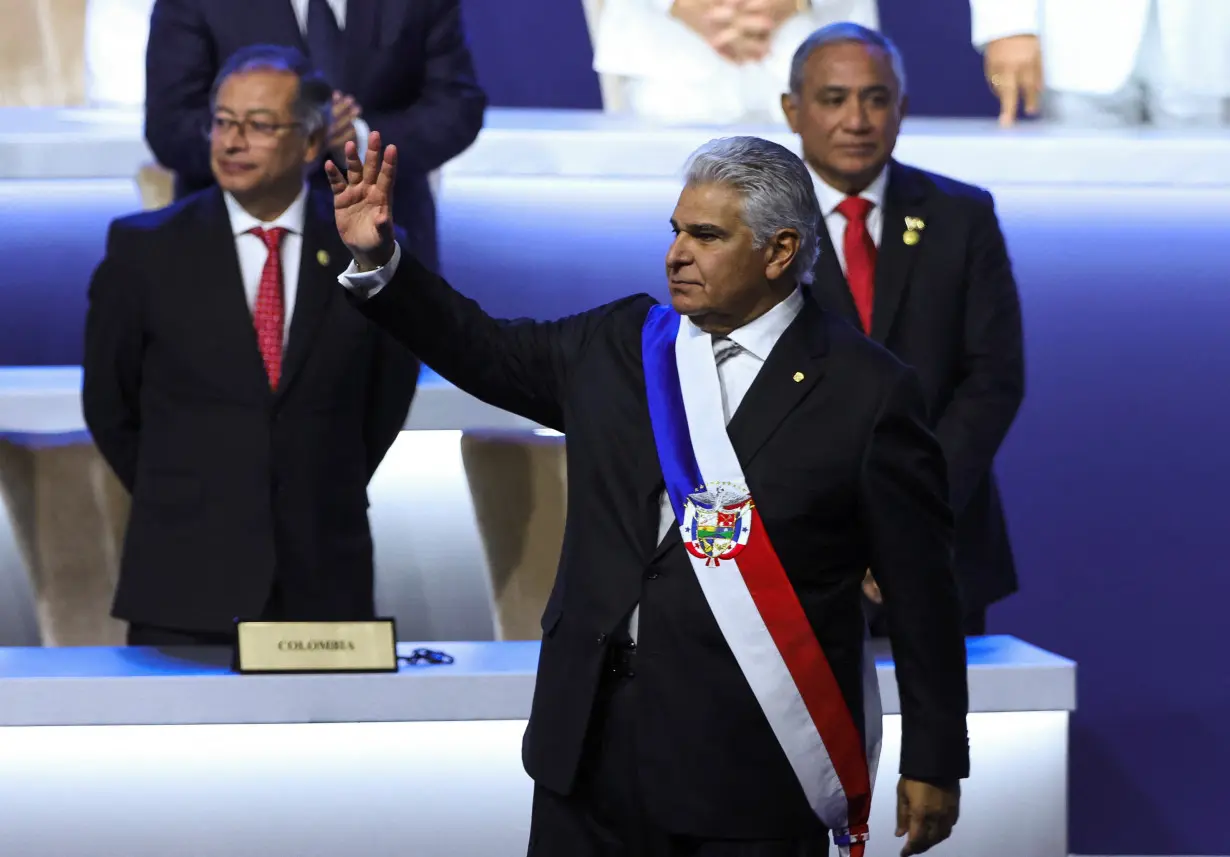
[[316, 647]]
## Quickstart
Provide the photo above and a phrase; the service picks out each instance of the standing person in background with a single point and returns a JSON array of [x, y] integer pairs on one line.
[[918, 262], [710, 61], [402, 69], [1108, 63], [238, 397]]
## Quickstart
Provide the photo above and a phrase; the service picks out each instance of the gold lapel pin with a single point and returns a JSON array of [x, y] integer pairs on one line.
[[322, 257], [913, 226], [798, 376]]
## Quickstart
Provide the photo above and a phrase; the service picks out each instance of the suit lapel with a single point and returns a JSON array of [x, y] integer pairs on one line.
[[787, 376], [830, 285], [323, 257], [904, 198], [217, 301]]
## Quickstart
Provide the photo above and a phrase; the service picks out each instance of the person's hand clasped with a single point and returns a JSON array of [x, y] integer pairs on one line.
[[926, 814], [738, 30], [341, 130], [363, 202]]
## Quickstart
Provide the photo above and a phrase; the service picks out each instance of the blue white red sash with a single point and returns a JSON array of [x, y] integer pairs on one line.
[[747, 588]]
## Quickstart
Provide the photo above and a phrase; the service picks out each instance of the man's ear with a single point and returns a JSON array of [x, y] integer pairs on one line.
[[790, 107], [780, 253]]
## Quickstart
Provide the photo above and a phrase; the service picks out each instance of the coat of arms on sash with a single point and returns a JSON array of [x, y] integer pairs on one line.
[[717, 521]]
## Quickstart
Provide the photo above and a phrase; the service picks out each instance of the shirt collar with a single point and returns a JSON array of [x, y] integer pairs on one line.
[[830, 197], [291, 219], [758, 336]]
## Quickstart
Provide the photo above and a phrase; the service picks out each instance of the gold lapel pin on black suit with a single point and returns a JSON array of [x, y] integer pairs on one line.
[[322, 257], [798, 376], [913, 229]]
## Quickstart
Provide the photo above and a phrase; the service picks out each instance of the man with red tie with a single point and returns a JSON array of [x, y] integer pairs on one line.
[[242, 401], [917, 261]]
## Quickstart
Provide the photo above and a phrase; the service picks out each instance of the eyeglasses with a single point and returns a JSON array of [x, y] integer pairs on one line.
[[258, 131]]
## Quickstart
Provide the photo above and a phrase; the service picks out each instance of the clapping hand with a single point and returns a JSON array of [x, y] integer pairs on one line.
[[341, 130], [739, 30], [363, 202]]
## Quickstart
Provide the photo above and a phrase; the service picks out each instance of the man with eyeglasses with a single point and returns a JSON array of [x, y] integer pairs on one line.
[[240, 399], [399, 68]]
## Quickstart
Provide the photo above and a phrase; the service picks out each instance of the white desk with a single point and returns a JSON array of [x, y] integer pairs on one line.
[[55, 143], [144, 753]]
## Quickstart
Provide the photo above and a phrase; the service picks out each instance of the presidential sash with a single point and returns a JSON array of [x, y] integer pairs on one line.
[[747, 588]]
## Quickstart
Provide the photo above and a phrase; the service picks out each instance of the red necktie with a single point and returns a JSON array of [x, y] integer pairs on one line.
[[269, 314], [860, 253]]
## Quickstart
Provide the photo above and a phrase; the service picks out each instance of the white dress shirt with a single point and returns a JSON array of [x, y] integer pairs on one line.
[[736, 374], [253, 253], [835, 221]]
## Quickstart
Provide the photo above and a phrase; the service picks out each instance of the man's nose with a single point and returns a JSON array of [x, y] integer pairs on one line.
[[678, 255], [855, 117]]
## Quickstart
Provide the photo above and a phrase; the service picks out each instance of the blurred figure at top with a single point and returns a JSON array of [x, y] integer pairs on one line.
[[707, 61], [115, 36], [1108, 63]]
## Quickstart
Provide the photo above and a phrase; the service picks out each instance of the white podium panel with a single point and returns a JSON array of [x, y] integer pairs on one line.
[[145, 753]]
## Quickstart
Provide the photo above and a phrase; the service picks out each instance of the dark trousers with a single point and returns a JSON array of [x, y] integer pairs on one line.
[[974, 623], [141, 634], [605, 814]]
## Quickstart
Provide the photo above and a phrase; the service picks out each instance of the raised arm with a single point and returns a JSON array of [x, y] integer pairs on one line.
[[521, 366]]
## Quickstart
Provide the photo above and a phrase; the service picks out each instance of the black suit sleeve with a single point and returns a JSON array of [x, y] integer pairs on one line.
[[520, 365], [448, 113], [180, 64], [910, 526], [391, 385], [114, 345], [992, 385]]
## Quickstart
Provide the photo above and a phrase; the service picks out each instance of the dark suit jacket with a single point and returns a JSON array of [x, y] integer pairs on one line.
[[406, 64], [233, 485], [844, 473], [948, 307]]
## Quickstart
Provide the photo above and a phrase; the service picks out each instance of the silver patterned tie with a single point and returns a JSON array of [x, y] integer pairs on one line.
[[724, 349]]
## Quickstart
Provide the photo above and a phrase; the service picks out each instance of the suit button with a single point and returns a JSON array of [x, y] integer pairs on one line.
[[602, 638], [653, 575]]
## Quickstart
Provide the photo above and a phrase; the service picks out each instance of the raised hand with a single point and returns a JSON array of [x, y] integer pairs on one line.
[[363, 202]]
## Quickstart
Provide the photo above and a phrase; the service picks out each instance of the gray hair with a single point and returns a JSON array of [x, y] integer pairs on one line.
[[844, 31], [313, 105], [776, 188]]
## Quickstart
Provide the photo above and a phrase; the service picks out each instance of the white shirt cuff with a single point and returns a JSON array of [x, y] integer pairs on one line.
[[664, 6], [991, 20], [366, 284]]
